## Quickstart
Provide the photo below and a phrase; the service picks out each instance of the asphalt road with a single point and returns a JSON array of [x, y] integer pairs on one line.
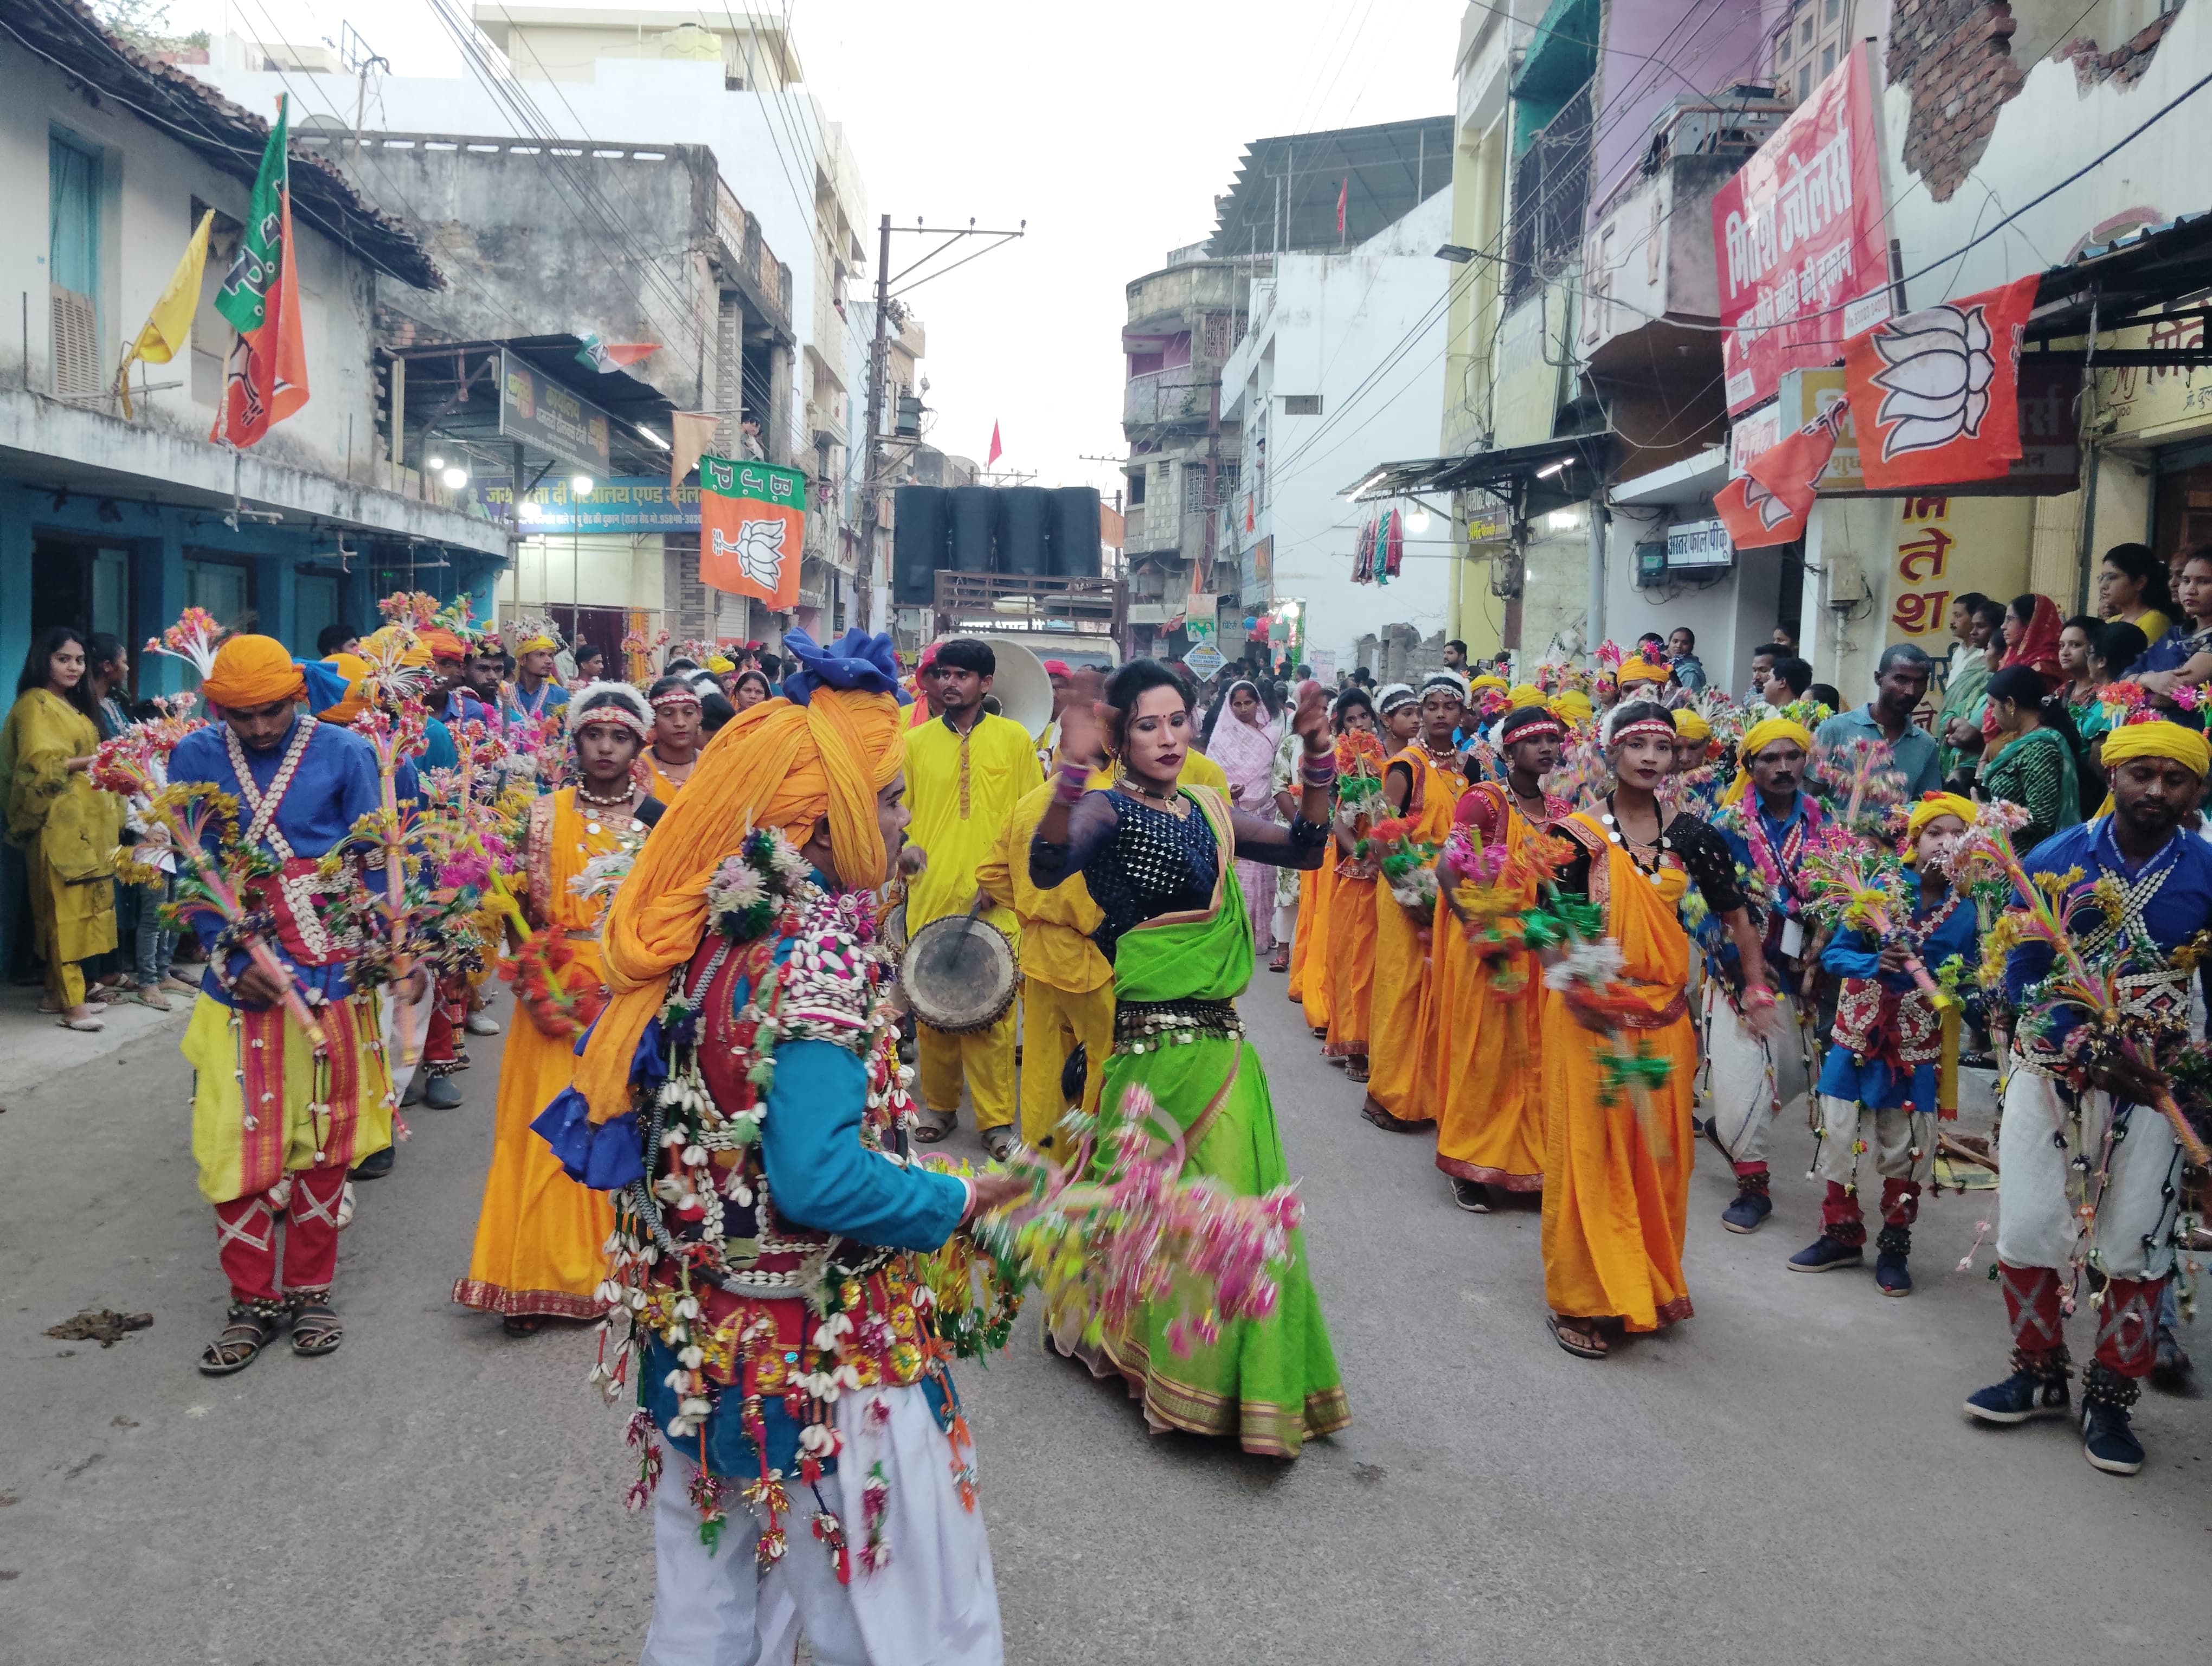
[[1784, 1478]]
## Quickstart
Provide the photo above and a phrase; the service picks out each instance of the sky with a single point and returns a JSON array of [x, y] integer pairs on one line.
[[1108, 129]]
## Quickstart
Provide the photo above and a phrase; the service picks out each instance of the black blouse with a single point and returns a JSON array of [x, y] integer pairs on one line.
[[1706, 856], [1139, 862]]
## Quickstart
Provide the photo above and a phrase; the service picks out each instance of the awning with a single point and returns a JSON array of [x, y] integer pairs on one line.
[[1549, 474], [1685, 484], [2131, 280]]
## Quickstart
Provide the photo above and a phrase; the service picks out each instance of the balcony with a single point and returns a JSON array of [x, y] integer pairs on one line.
[[1194, 287], [1180, 394], [1551, 190]]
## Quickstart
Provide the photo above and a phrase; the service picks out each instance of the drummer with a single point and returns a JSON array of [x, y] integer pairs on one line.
[[966, 771]]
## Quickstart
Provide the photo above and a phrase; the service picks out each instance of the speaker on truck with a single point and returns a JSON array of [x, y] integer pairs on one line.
[[921, 543], [1076, 547], [974, 516]]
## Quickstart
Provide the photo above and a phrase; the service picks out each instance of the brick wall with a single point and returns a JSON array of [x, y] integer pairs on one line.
[[1955, 56]]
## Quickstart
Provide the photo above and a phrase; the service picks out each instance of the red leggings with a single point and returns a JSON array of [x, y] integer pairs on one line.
[[246, 1240], [2127, 1319]]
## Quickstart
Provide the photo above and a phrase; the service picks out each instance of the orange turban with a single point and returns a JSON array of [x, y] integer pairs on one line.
[[353, 668], [444, 645], [252, 671], [775, 765]]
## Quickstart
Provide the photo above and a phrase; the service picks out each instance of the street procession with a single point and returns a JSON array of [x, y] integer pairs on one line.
[[804, 1049]]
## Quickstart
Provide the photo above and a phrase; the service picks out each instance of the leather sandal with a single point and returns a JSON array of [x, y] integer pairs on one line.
[[1578, 1336], [932, 1126], [239, 1344], [315, 1329]]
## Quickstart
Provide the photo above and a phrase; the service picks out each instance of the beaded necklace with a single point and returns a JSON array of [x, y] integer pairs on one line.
[[1632, 845]]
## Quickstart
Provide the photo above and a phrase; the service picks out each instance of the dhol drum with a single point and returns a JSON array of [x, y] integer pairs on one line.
[[893, 931], [959, 974]]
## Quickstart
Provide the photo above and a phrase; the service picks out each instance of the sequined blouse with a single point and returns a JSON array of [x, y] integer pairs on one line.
[[1139, 862]]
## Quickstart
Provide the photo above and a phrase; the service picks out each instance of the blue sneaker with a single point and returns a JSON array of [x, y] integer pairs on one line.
[[1825, 1255], [2107, 1440], [1890, 1248], [1751, 1205], [2037, 1388]]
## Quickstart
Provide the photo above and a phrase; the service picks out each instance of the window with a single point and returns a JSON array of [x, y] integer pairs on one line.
[[1833, 7], [110, 593], [1302, 404], [315, 598], [1804, 83], [224, 588], [1136, 488], [1805, 31], [73, 265], [1828, 61]]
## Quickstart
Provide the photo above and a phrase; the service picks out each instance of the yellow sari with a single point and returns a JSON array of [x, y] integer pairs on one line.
[[1402, 1022], [541, 1237], [1617, 1177]]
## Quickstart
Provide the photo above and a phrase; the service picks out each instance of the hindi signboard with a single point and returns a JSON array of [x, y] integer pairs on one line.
[[1797, 241], [537, 411], [630, 503]]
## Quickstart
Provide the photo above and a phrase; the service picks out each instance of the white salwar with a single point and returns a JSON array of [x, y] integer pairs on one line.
[[402, 1019], [2136, 1208], [1749, 1080], [934, 1603]]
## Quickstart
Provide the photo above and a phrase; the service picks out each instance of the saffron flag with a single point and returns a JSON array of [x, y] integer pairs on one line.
[[1343, 196], [997, 450], [609, 357], [692, 432], [1770, 503], [169, 325], [266, 379], [752, 524], [1936, 393]]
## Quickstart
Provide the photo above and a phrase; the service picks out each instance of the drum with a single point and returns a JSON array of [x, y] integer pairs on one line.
[[893, 932], [958, 974]]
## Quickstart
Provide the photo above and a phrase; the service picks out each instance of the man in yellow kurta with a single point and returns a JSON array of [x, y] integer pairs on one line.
[[965, 772], [1067, 985]]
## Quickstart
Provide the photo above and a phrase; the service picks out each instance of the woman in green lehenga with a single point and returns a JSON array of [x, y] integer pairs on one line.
[[1158, 860]]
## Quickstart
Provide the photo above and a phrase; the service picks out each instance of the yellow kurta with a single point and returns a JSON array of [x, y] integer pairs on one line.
[[67, 829], [541, 1236], [1401, 1024]]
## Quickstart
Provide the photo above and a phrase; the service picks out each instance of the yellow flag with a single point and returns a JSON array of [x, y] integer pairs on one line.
[[169, 325]]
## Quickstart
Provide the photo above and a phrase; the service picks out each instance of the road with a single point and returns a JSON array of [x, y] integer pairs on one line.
[[1784, 1478]]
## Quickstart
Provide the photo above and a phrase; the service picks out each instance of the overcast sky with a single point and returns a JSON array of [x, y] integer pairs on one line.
[[1110, 129]]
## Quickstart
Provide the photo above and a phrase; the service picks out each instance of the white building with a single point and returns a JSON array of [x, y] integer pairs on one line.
[[1341, 362]]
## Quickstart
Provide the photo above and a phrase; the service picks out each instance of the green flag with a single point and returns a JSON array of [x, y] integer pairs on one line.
[[244, 298]]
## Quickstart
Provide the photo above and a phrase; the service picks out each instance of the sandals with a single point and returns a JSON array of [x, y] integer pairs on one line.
[[240, 1342], [91, 1025], [523, 1324], [1356, 1068], [315, 1329], [932, 1126], [1000, 1142], [1578, 1336], [1279, 963]]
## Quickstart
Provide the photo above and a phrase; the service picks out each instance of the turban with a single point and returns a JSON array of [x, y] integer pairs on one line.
[[259, 671], [721, 666], [779, 764], [350, 703], [1931, 805], [1574, 706], [2186, 747], [1756, 739], [413, 656], [1691, 725], [1487, 680], [444, 645], [1523, 694], [538, 642], [1640, 670]]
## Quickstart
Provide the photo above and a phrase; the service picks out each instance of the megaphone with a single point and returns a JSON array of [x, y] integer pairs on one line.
[[1020, 682]]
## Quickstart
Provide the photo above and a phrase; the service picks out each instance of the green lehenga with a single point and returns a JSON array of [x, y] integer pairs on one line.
[[1271, 1382]]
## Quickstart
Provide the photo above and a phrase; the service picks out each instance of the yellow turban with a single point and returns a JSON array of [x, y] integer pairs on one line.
[[719, 665], [253, 670], [1691, 725], [1574, 706], [1487, 680], [775, 765], [1640, 670], [1931, 805], [1523, 694], [2186, 747], [353, 668], [1756, 739], [537, 642], [380, 643]]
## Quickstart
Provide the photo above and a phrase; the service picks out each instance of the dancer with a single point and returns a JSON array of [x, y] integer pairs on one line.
[[541, 1238], [535, 692], [2091, 1177], [1158, 860], [1421, 787], [1243, 743], [1617, 1162], [752, 896], [674, 750], [1490, 1105], [1312, 981], [1352, 916], [965, 772], [1753, 1071], [277, 1120], [1891, 1046]]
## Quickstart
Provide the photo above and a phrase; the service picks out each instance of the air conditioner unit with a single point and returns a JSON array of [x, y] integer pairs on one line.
[[76, 344]]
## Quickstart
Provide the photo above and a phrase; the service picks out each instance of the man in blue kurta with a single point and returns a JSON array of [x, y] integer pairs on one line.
[[2090, 1176], [276, 1118]]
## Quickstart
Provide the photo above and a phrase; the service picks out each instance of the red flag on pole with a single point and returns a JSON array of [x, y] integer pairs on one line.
[[1936, 393], [1343, 192], [996, 448]]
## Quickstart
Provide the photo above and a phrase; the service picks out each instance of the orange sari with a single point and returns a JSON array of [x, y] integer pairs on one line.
[[1489, 1100], [1309, 945], [1403, 1019], [1617, 1177], [1349, 962]]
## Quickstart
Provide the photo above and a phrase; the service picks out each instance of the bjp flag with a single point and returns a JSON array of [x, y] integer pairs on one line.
[[1936, 393], [752, 525], [1771, 503], [266, 377]]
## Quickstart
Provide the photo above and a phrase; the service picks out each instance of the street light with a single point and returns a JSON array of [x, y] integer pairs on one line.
[[455, 478], [433, 464], [1458, 253], [580, 484], [1418, 522]]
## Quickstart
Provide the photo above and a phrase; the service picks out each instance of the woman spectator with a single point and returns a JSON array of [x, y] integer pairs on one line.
[[1960, 713], [107, 677], [2031, 761], [1240, 742], [2112, 648], [66, 829], [2131, 589], [749, 688], [2030, 638]]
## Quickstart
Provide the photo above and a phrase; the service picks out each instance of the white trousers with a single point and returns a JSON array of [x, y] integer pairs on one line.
[[2136, 1205], [403, 1019], [1749, 1080], [1894, 1133], [935, 1603]]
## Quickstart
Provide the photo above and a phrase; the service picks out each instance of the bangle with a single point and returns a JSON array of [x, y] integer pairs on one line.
[[1318, 771], [1067, 783]]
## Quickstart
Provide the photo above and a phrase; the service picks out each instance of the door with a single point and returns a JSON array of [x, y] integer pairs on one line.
[[81, 584]]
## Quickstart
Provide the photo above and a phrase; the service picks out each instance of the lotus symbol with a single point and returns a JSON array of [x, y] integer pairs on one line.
[[759, 550], [1936, 375], [1771, 510]]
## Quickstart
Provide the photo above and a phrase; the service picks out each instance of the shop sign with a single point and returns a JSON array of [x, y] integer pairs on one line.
[[2148, 401], [1941, 547], [539, 412], [631, 503]]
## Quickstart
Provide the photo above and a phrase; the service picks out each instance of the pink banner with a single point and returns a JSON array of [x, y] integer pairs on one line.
[[1797, 241]]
